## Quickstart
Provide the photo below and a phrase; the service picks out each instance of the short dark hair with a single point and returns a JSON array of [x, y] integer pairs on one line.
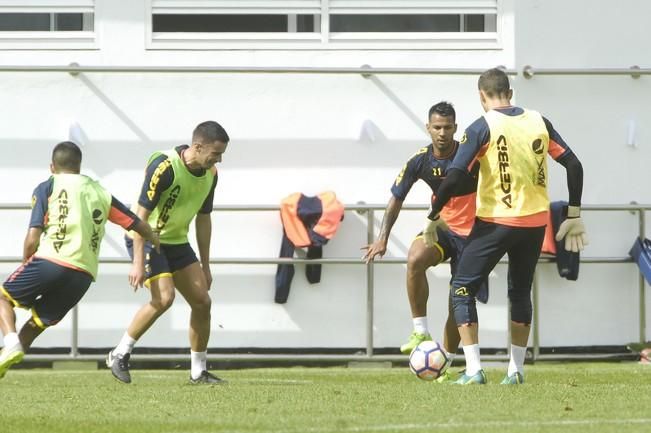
[[209, 132], [494, 82], [443, 108], [67, 156]]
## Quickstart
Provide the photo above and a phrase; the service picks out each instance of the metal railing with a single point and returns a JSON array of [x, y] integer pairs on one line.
[[369, 211], [634, 71], [75, 69], [527, 71]]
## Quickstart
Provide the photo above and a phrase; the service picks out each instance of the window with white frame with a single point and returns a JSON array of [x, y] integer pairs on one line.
[[328, 24], [43, 24]]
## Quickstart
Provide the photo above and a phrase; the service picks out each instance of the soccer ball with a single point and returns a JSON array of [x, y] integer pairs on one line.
[[428, 360]]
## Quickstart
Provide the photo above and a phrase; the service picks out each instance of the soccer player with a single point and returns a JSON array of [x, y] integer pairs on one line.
[[511, 144], [60, 253], [429, 164], [179, 185]]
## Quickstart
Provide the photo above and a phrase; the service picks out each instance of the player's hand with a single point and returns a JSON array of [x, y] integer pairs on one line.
[[137, 276], [430, 236], [573, 230], [155, 241], [207, 274], [377, 248]]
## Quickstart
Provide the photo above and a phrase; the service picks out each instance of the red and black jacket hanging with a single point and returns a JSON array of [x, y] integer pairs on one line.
[[308, 222]]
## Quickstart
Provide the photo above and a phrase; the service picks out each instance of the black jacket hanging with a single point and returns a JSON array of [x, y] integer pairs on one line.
[[567, 262]]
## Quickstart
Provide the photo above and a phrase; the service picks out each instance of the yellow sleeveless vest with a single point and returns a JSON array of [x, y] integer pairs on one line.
[[513, 171], [180, 203], [77, 212]]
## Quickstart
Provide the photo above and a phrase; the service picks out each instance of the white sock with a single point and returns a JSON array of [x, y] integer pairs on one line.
[[473, 364], [450, 356], [125, 346], [197, 363], [11, 339], [420, 325], [516, 363]]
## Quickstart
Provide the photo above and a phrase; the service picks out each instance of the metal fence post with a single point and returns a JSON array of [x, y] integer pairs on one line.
[[74, 343], [370, 285], [536, 317], [641, 282]]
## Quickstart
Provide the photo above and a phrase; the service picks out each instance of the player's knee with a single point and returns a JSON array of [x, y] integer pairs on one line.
[[202, 304], [163, 302], [521, 309], [463, 305], [417, 260]]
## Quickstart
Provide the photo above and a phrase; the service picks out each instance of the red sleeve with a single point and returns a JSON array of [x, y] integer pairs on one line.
[[555, 149], [121, 215]]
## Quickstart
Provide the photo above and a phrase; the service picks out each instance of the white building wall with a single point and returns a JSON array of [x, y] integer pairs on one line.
[[593, 114], [304, 133]]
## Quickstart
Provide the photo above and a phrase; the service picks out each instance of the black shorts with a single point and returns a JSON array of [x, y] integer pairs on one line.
[[50, 290], [450, 245], [172, 257]]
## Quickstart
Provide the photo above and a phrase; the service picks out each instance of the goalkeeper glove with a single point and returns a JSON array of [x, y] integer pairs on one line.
[[430, 236], [573, 230]]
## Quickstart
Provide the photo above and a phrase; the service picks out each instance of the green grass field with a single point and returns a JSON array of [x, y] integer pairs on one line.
[[570, 397]]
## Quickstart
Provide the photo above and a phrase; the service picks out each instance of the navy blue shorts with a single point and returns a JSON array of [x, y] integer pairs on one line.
[[172, 257], [487, 244], [451, 245], [49, 289]]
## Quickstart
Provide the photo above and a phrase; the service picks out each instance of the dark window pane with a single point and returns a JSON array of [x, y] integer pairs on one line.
[[25, 22], [474, 23], [219, 23], [43, 22], [395, 23], [305, 24], [69, 22]]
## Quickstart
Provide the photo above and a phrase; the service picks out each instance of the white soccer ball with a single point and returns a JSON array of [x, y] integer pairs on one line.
[[428, 360]]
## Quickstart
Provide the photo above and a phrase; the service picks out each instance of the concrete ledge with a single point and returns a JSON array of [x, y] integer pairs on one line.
[[74, 365], [370, 364]]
